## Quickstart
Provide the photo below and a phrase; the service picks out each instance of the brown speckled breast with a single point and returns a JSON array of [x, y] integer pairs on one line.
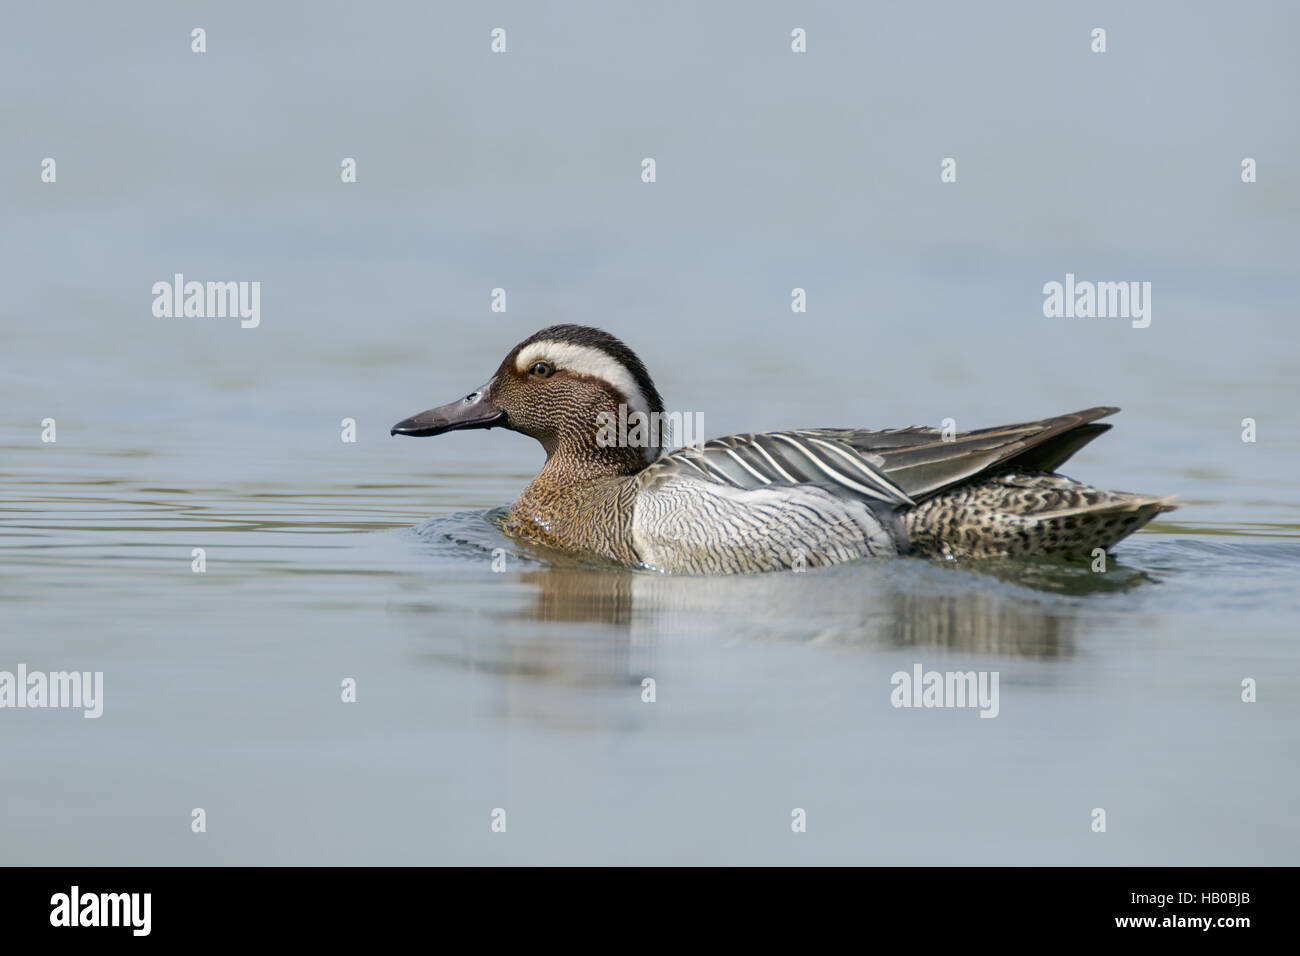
[[593, 516]]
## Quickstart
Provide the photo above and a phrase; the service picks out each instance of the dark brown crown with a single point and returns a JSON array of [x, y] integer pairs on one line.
[[590, 337]]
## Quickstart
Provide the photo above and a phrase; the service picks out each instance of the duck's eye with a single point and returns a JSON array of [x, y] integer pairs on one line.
[[542, 369]]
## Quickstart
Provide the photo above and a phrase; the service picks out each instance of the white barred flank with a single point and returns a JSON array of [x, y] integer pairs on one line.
[[757, 502], [688, 525]]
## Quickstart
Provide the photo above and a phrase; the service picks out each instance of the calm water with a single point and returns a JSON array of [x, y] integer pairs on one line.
[[522, 689]]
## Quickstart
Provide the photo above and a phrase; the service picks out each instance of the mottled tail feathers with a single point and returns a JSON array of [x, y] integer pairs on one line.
[[1022, 514]]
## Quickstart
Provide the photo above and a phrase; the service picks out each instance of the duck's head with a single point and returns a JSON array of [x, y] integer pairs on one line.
[[559, 386]]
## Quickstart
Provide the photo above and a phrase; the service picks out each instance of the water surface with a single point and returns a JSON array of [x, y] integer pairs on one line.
[[522, 688]]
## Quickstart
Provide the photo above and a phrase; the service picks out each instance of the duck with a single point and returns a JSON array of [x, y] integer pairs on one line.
[[779, 500]]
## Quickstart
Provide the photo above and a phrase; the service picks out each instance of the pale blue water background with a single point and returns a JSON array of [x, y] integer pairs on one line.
[[522, 690]]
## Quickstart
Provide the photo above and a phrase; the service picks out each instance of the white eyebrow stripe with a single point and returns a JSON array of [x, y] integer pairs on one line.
[[593, 363], [585, 361]]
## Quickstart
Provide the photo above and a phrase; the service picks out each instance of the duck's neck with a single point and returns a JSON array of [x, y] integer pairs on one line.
[[582, 502], [575, 460]]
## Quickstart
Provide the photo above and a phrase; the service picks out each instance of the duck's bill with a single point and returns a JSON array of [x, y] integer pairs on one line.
[[473, 411]]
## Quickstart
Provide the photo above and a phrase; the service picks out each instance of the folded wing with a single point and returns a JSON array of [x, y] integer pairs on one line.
[[900, 466]]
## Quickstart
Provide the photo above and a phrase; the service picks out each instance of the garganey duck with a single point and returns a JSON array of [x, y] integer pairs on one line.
[[762, 502]]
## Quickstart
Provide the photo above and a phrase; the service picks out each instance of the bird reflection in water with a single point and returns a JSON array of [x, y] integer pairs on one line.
[[571, 624]]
